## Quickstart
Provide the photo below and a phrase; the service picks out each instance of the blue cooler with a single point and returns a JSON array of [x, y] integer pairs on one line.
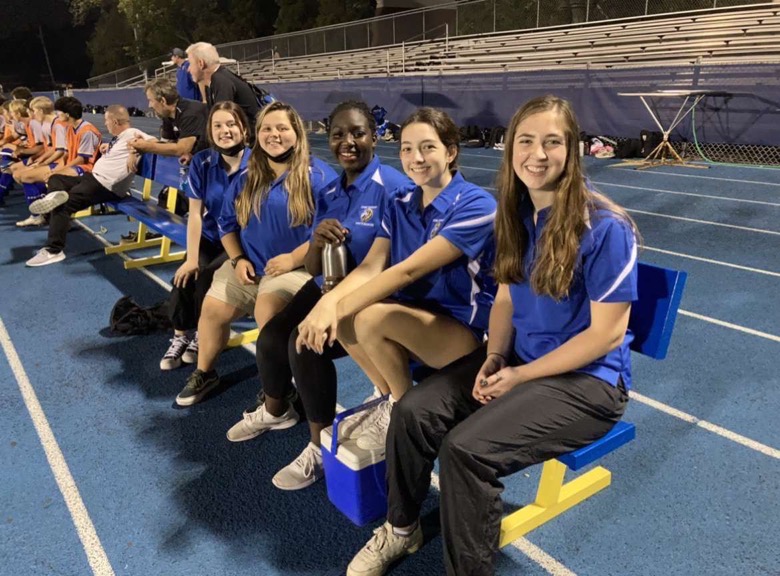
[[355, 477]]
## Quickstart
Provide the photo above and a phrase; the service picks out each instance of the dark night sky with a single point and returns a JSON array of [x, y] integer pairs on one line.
[[23, 61]]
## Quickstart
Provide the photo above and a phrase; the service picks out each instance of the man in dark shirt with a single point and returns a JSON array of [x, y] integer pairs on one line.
[[184, 122], [221, 83]]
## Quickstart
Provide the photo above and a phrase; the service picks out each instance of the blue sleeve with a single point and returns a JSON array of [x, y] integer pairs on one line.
[[197, 178], [609, 266], [323, 178], [470, 226], [227, 222]]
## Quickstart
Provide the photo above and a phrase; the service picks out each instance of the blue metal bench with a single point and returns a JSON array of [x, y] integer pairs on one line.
[[161, 170], [652, 321]]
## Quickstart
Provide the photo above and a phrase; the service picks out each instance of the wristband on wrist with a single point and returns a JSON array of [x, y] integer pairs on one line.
[[234, 261]]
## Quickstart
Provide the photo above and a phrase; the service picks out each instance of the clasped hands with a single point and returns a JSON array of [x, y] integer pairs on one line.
[[495, 379]]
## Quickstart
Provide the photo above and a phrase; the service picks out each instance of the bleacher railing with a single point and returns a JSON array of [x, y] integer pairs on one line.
[[458, 18]]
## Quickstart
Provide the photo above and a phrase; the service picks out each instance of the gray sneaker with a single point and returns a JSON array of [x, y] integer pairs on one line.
[[304, 471], [252, 424], [49, 202], [43, 257], [190, 355], [374, 431], [382, 550], [198, 385]]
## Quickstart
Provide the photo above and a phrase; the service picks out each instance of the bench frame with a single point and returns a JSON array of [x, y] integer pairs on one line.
[[652, 321]]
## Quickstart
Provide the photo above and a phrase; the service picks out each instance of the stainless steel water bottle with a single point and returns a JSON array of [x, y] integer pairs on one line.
[[334, 265]]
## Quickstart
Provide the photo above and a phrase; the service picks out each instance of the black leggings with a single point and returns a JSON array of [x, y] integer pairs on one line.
[[278, 362], [186, 303], [477, 445]]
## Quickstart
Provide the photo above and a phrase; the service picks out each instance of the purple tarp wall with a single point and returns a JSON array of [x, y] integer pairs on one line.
[[751, 115]]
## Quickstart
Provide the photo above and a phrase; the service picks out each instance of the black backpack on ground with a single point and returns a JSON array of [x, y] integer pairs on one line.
[[182, 204], [496, 136], [629, 148], [129, 318], [472, 137], [650, 140]]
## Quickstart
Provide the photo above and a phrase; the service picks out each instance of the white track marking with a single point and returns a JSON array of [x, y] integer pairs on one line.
[[729, 325], [710, 261], [96, 555], [659, 191], [706, 222]]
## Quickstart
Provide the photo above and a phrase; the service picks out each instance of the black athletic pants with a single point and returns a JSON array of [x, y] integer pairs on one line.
[[278, 362], [186, 302], [477, 445], [83, 192]]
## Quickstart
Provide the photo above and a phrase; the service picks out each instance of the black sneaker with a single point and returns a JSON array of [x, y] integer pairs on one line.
[[132, 236], [198, 385]]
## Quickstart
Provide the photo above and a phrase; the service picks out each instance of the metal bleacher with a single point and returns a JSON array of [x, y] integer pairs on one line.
[[704, 37]]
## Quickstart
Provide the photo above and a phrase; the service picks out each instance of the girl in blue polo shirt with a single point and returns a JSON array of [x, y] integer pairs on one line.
[[264, 225], [554, 373], [211, 173], [350, 211], [431, 257]]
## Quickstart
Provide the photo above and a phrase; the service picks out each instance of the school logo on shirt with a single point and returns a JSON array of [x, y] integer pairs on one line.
[[435, 230], [366, 215]]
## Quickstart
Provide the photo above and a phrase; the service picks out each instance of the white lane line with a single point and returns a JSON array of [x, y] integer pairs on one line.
[[707, 222], [720, 431], [96, 555], [659, 191], [697, 175], [729, 325], [710, 261]]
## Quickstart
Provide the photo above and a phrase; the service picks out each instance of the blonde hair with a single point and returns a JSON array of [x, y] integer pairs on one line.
[[43, 104], [19, 107], [260, 175], [558, 247]]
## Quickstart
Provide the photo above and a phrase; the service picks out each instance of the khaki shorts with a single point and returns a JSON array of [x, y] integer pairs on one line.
[[226, 288]]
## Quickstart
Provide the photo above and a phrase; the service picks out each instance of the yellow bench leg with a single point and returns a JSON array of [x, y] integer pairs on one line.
[[553, 497], [243, 338]]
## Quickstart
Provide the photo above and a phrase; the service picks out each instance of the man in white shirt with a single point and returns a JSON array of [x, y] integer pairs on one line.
[[109, 181]]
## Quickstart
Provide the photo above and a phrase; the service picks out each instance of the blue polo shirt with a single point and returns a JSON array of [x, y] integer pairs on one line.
[[606, 272], [359, 207], [209, 182], [463, 213], [271, 235], [185, 85]]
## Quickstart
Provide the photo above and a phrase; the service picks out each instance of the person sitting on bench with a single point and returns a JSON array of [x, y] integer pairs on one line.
[[211, 174], [555, 371], [109, 180]]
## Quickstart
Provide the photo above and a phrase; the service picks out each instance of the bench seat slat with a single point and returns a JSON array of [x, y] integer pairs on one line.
[[621, 433], [156, 218]]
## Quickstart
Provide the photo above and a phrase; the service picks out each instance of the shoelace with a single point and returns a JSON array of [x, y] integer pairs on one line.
[[380, 421], [379, 540], [177, 347], [193, 345], [306, 461]]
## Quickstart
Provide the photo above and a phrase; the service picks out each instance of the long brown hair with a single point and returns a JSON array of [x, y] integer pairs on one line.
[[260, 175], [573, 203], [235, 111]]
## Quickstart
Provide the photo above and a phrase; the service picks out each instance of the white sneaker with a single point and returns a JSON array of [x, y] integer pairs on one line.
[[49, 202], [382, 550], [375, 430], [255, 423], [353, 426], [31, 221], [172, 358], [190, 355], [43, 257], [304, 471]]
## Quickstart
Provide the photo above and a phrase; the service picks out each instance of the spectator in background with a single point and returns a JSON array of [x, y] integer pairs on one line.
[[185, 85], [221, 84], [21, 93], [184, 122]]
